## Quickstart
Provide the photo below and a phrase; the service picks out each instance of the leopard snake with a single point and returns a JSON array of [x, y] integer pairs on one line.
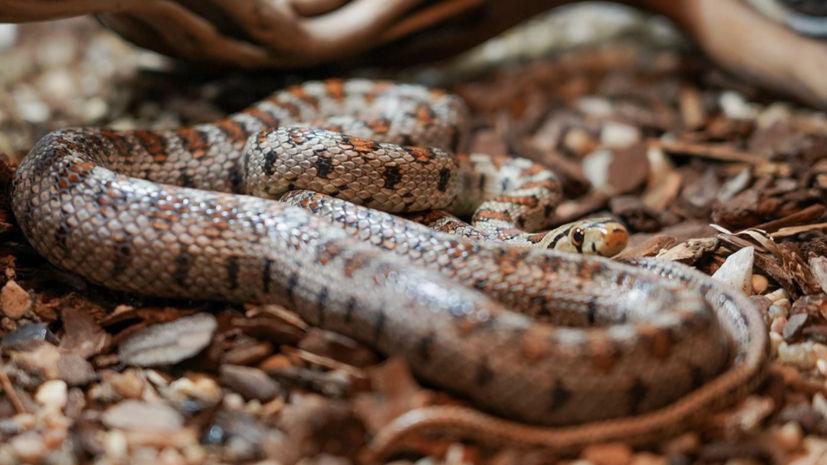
[[565, 349]]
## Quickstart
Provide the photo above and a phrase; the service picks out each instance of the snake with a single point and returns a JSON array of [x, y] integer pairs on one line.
[[346, 201]]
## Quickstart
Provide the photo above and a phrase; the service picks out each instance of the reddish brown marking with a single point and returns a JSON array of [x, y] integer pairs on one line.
[[235, 133], [193, 142], [492, 215], [534, 169], [535, 345], [521, 200], [604, 355], [378, 89], [335, 89], [546, 184], [266, 118], [658, 340]]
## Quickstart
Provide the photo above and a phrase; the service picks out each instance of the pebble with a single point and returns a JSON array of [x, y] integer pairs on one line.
[[777, 311], [648, 458], [776, 339], [14, 301], [777, 295], [783, 303], [115, 445], [800, 355], [137, 415], [579, 141], [819, 267], [736, 107], [788, 436], [29, 447], [736, 272], [52, 394], [683, 444], [596, 168], [614, 453], [759, 283], [618, 136], [778, 324], [820, 404], [8, 35]]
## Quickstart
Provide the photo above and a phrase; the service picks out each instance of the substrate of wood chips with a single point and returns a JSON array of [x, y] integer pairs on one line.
[[661, 140]]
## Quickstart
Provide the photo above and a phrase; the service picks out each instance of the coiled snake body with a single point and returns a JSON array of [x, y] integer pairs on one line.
[[619, 351]]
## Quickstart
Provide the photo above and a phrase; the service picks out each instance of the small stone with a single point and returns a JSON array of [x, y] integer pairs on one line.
[[735, 106], [29, 447], [115, 445], [777, 311], [14, 301], [736, 272], [618, 136], [776, 339], [783, 303], [819, 267], [759, 283], [820, 404], [137, 415], [648, 458], [52, 394], [795, 324], [615, 453], [788, 437], [778, 324], [579, 141], [596, 168], [684, 444], [800, 355], [777, 295], [8, 35], [251, 383]]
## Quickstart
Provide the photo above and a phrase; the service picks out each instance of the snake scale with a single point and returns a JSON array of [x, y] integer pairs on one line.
[[566, 349]]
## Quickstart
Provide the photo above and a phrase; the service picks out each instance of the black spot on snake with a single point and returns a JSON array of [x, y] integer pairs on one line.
[[559, 396], [321, 304], [186, 180], [291, 285], [548, 210], [444, 179], [266, 278], [379, 326], [349, 309], [484, 373], [324, 166], [236, 178], [637, 394], [392, 176], [426, 345], [481, 183], [592, 309], [232, 272], [697, 376], [182, 262], [122, 256]]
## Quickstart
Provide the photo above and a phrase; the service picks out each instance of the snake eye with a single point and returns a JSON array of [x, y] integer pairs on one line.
[[577, 236]]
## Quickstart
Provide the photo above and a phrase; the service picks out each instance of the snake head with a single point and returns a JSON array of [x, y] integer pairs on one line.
[[593, 236]]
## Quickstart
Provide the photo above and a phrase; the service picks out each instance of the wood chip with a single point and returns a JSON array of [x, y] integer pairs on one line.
[[168, 343]]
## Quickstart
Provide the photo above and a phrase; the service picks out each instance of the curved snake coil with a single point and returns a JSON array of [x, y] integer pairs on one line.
[[598, 351]]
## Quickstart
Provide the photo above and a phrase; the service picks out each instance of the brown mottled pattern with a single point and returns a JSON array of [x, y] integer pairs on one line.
[[619, 352]]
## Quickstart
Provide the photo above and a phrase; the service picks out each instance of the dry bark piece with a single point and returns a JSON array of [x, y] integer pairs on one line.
[[251, 383], [813, 305], [795, 324], [81, 334], [648, 248], [168, 343], [338, 347], [691, 251], [14, 301], [138, 415], [313, 424], [629, 168], [75, 370], [333, 383]]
